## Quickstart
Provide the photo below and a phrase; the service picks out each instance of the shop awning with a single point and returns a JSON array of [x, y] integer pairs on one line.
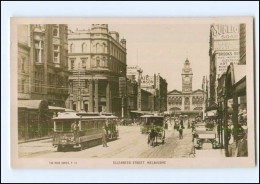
[[239, 72], [144, 112], [54, 108], [32, 104], [213, 106], [211, 113]]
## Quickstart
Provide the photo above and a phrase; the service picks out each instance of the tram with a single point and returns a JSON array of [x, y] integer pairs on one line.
[[79, 129]]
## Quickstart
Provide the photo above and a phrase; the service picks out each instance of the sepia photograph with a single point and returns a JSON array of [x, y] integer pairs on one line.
[[132, 92]]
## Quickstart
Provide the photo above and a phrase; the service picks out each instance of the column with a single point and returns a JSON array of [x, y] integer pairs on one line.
[[96, 95], [90, 96], [108, 98], [71, 104], [235, 117], [225, 127]]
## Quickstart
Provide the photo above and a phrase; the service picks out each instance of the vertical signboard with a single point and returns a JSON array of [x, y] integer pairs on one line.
[[225, 45], [223, 59], [122, 86]]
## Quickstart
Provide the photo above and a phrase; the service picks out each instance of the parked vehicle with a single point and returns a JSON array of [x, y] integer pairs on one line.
[[202, 135]]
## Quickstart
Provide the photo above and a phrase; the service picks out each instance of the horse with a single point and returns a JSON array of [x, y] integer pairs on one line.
[[152, 137]]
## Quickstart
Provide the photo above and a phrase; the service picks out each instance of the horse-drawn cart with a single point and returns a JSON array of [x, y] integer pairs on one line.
[[154, 125]]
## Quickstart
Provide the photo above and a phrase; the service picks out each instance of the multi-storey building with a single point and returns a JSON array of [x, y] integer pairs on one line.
[[42, 75], [161, 87], [157, 86], [186, 102], [97, 58], [42, 63], [224, 49]]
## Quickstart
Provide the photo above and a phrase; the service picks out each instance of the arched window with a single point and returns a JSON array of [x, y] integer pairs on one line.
[[97, 62], [71, 48], [187, 101], [98, 47], [84, 48], [55, 32], [104, 48], [104, 62]]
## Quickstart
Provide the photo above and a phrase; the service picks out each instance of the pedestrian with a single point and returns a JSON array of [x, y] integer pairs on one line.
[[229, 132], [104, 138], [181, 132]]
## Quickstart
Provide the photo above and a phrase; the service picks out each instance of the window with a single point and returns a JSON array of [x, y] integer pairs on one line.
[[98, 62], [84, 48], [104, 62], [56, 57], [72, 62], [56, 47], [22, 64], [187, 101], [23, 86], [55, 32], [98, 48], [86, 107], [71, 48], [104, 48], [83, 63], [58, 125], [38, 51]]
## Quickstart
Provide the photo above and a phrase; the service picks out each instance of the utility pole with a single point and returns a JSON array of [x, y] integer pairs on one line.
[[79, 92]]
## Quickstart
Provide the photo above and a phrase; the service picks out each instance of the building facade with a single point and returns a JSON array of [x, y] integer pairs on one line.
[[97, 58], [224, 49], [42, 63], [186, 102], [157, 86], [42, 76]]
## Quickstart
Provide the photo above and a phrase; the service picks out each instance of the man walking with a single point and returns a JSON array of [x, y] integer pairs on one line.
[[181, 132], [104, 138]]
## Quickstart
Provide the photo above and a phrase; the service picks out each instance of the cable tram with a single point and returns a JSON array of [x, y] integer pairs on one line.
[[79, 129]]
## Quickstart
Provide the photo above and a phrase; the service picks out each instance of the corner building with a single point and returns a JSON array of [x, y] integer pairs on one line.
[[97, 58]]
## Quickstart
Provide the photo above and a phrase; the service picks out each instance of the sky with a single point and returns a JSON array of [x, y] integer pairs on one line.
[[163, 48]]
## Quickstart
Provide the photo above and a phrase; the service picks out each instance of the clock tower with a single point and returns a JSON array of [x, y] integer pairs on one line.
[[187, 77]]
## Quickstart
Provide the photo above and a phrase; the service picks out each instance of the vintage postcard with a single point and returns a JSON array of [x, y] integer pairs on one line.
[[132, 92]]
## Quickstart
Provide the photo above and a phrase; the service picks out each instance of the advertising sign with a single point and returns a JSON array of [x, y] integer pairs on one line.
[[122, 86], [224, 58], [132, 70], [226, 45], [147, 81], [225, 31]]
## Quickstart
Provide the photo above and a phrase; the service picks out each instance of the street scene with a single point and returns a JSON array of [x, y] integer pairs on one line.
[[132, 91], [173, 148]]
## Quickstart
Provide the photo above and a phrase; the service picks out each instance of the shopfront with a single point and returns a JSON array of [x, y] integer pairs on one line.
[[33, 121], [235, 106]]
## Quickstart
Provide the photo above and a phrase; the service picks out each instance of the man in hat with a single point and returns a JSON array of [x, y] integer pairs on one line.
[[104, 137]]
